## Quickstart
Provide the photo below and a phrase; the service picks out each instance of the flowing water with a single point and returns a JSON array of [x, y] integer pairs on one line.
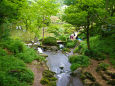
[[58, 63]]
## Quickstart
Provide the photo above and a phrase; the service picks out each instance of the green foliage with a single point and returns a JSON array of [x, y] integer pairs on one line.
[[19, 50], [71, 44], [102, 66], [50, 41], [74, 66], [95, 54], [44, 81], [78, 49], [10, 9], [28, 55], [48, 78], [14, 72], [15, 46], [112, 60], [2, 52], [66, 50], [99, 47], [79, 61]]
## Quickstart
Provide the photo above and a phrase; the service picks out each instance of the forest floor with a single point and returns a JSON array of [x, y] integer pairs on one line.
[[92, 69], [37, 68]]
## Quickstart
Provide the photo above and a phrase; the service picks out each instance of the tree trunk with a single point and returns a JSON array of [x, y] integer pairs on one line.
[[43, 33], [43, 27], [87, 30]]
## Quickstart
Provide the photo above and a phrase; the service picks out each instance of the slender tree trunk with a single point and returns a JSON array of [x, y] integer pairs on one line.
[[43, 28], [43, 33], [87, 30]]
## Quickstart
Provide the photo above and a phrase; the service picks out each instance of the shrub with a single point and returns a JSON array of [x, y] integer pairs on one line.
[[79, 61], [28, 55], [2, 52], [78, 49], [71, 44], [74, 66], [14, 46], [14, 72], [66, 50], [102, 66], [95, 54], [50, 41], [112, 60]]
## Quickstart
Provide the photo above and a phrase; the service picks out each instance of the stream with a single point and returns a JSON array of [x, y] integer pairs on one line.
[[58, 60], [58, 63]]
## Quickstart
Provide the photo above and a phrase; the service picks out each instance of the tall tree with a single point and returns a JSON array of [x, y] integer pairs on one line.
[[46, 8], [83, 13]]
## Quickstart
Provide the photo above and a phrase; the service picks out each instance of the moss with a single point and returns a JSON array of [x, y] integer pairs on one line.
[[48, 78]]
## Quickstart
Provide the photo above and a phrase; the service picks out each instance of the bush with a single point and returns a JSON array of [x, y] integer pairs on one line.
[[28, 55], [74, 66], [95, 54], [78, 49], [112, 60], [102, 66], [2, 52], [14, 72], [66, 50], [71, 44], [50, 41], [79, 61], [14, 46]]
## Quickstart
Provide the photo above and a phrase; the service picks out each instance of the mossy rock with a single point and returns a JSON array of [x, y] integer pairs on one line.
[[44, 81], [48, 78], [48, 74]]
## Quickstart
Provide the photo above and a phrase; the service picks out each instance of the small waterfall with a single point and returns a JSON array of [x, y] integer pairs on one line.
[[40, 50]]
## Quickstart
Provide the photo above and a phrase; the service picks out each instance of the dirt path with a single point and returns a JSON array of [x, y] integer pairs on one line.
[[37, 69], [92, 70]]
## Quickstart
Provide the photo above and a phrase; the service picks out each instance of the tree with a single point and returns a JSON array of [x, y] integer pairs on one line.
[[83, 13], [46, 8], [9, 11]]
